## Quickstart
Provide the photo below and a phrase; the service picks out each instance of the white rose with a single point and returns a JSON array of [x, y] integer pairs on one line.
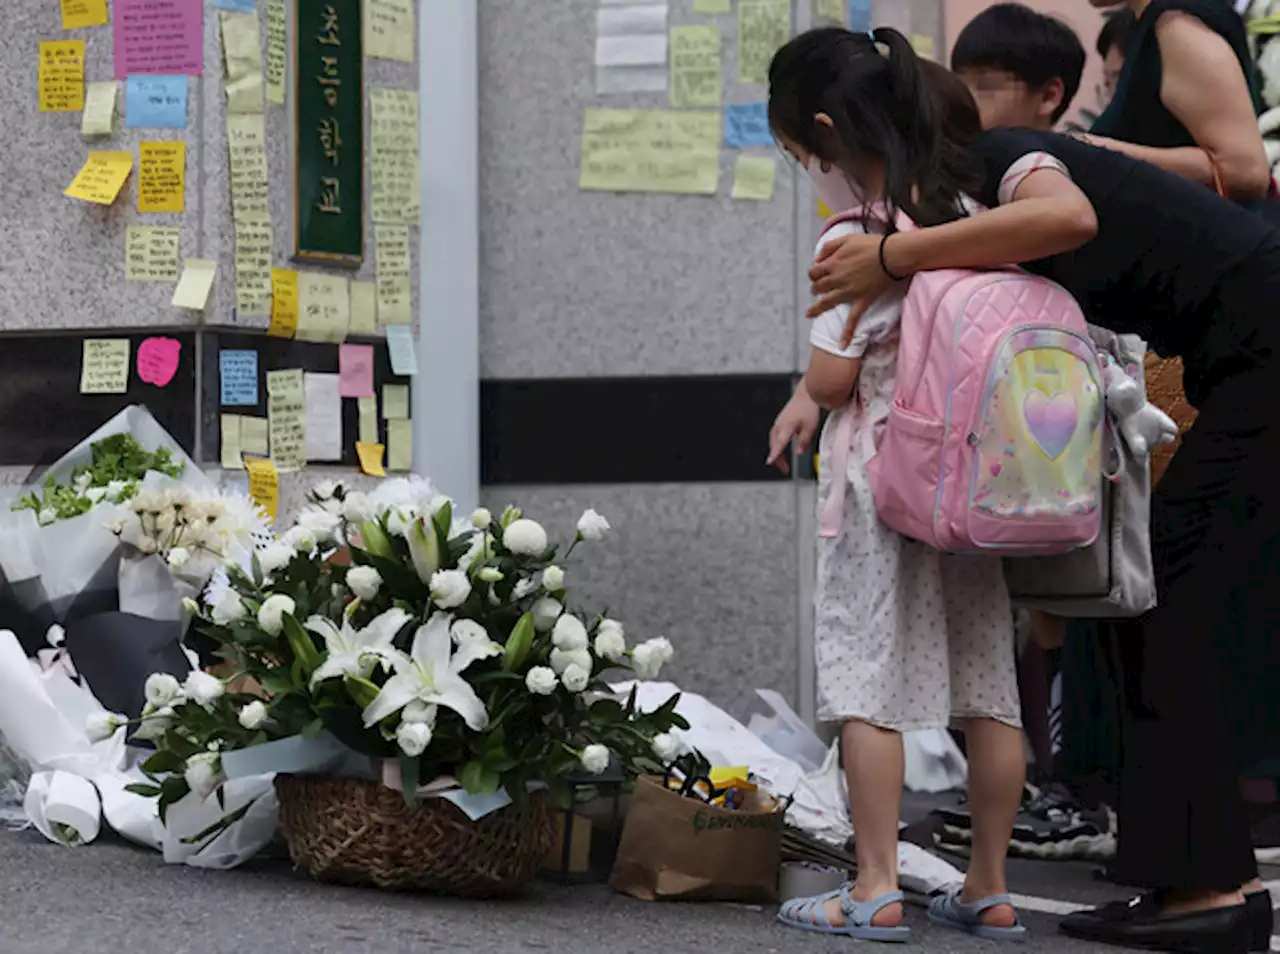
[[481, 518], [595, 759], [545, 613], [203, 689], [301, 539], [275, 556], [47, 515], [95, 495], [490, 574], [562, 659], [229, 609], [178, 557], [355, 507], [525, 538], [253, 715], [116, 488], [160, 689], [541, 681], [364, 581], [592, 526], [553, 579], [648, 658], [324, 490], [449, 588], [468, 630], [201, 774], [575, 678], [271, 616], [569, 633], [103, 725], [666, 747], [155, 723], [419, 711], [413, 738], [662, 648], [611, 643]]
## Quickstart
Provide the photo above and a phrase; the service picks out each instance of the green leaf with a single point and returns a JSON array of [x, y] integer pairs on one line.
[[472, 777], [607, 710], [410, 772], [375, 539], [164, 761], [300, 641], [313, 728], [518, 644], [146, 791], [490, 781]]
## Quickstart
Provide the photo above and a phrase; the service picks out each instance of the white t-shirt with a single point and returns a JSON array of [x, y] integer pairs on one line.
[[877, 323]]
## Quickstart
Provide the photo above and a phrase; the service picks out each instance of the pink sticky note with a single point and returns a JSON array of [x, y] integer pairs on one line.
[[158, 360], [355, 370], [158, 36]]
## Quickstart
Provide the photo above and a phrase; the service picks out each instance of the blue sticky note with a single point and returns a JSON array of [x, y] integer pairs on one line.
[[239, 6], [401, 350], [238, 374], [155, 102], [860, 15], [747, 125]]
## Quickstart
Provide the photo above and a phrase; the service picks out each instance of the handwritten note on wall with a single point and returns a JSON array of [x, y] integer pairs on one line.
[[324, 417], [277, 38], [284, 303], [253, 269], [746, 125], [158, 360], [391, 251], [151, 254], [158, 36], [246, 142], [355, 368], [287, 419], [393, 156], [651, 150], [324, 307], [238, 377], [695, 66], [389, 29], [155, 102], [162, 171], [99, 118], [763, 27], [264, 484], [83, 13], [101, 177], [61, 76], [105, 366]]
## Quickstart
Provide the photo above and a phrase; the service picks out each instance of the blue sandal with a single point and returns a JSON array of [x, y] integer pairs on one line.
[[809, 914], [947, 910]]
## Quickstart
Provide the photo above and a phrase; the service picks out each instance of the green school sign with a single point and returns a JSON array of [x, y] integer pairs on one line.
[[329, 134]]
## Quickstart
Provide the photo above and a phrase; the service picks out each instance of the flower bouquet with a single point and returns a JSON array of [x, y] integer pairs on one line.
[[442, 657]]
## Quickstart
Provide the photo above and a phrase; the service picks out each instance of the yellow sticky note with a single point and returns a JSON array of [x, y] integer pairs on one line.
[[194, 285], [399, 445], [395, 402], [368, 419], [284, 303], [832, 11], [162, 173], [101, 177], [99, 118], [242, 61], [277, 41], [395, 291], [371, 459], [253, 269], [389, 29], [712, 6], [324, 307], [287, 419], [61, 76], [253, 436], [395, 194], [264, 484], [364, 308], [231, 447], [824, 210], [151, 254], [763, 27], [753, 178], [651, 150], [695, 65], [247, 158], [105, 367], [922, 43], [83, 13]]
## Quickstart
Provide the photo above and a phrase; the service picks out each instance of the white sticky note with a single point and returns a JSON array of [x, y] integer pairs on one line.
[[323, 397], [402, 350], [637, 49], [194, 285]]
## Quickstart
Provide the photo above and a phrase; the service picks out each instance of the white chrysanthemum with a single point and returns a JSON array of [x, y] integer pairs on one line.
[[545, 613], [592, 526], [229, 609], [449, 588], [271, 615], [276, 556], [553, 579], [611, 643], [541, 681], [525, 538], [253, 715], [364, 581], [562, 659], [481, 518], [648, 658], [595, 759], [411, 492], [203, 689], [301, 539], [323, 525], [569, 633]]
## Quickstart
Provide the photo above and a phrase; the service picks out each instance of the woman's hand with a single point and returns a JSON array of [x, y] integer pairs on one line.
[[797, 422], [848, 272]]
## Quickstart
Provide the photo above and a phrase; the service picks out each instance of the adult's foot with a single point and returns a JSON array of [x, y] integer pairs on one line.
[[1200, 923]]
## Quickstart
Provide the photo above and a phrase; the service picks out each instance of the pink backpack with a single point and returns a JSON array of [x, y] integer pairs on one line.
[[994, 440]]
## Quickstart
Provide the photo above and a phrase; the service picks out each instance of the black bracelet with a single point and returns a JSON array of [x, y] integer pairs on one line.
[[884, 267]]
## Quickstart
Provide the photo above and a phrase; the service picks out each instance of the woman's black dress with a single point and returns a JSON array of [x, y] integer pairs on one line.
[[1198, 277]]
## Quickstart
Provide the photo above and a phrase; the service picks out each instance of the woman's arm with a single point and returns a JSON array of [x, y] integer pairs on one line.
[[1203, 87], [1049, 215]]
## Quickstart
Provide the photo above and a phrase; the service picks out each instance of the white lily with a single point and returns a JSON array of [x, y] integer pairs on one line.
[[433, 676], [424, 548], [354, 652]]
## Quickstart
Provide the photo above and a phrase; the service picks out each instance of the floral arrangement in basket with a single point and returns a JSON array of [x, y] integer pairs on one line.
[[446, 646]]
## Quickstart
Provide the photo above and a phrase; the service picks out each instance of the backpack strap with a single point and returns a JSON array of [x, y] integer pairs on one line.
[[832, 515]]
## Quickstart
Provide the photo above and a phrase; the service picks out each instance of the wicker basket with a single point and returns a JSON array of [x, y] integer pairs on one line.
[[352, 831]]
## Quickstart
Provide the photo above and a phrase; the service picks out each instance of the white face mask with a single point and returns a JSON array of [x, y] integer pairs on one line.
[[832, 187]]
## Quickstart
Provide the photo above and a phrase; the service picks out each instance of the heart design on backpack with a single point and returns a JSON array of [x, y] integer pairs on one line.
[[1051, 422]]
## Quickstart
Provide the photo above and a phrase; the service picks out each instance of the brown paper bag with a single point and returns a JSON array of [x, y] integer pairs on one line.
[[682, 848]]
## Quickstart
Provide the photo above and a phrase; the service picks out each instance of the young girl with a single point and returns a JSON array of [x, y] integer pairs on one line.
[[907, 638]]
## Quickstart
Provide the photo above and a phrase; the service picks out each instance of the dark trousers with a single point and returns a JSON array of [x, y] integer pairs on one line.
[[1188, 672]]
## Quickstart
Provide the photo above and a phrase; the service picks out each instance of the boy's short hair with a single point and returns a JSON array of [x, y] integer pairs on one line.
[[1116, 32], [1033, 47]]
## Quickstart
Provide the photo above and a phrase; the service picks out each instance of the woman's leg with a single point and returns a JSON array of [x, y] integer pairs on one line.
[[997, 769]]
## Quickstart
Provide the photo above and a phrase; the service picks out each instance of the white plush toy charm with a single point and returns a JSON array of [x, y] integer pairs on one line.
[[1142, 425]]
